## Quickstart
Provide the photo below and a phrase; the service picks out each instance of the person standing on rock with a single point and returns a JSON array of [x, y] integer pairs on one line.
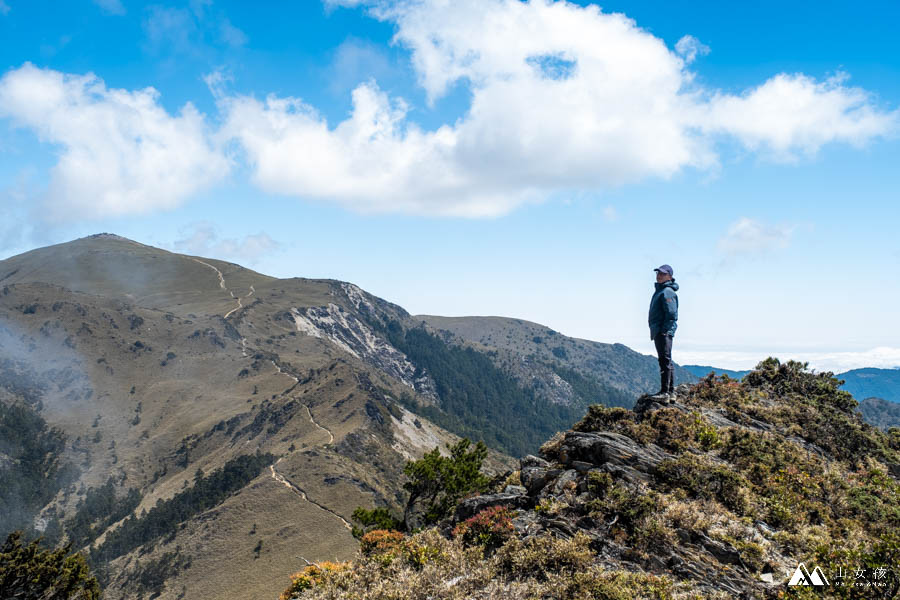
[[663, 320]]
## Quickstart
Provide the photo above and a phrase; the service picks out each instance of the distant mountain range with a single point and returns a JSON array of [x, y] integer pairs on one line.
[[862, 383]]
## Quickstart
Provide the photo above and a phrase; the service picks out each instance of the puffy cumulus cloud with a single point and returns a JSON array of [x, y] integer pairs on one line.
[[563, 98], [749, 236], [794, 114], [120, 152], [373, 161], [203, 239]]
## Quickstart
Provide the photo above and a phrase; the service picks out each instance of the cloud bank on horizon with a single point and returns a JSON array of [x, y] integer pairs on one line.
[[563, 98]]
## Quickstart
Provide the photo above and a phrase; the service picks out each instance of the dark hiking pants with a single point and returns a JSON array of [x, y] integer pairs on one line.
[[663, 344]]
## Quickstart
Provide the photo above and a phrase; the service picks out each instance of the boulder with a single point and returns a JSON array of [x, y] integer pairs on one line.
[[605, 447]]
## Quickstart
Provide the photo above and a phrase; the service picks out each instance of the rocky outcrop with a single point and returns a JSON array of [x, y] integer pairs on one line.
[[352, 335], [562, 492]]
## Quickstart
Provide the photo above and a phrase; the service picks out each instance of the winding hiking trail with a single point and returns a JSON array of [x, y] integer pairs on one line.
[[222, 285], [275, 474], [239, 299], [282, 479]]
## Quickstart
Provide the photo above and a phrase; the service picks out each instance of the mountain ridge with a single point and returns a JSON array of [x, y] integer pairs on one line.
[[160, 372]]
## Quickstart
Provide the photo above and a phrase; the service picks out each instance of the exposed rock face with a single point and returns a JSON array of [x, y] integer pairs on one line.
[[352, 335], [610, 448]]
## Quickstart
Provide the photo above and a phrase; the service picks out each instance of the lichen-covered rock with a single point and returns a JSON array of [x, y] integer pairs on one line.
[[607, 447]]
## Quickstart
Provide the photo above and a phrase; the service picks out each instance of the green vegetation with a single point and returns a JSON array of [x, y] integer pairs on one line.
[[376, 519], [436, 484], [439, 482], [31, 573], [207, 492], [591, 391], [35, 471], [477, 400], [99, 509], [883, 414]]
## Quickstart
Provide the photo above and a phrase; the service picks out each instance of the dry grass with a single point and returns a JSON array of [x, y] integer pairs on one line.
[[428, 566]]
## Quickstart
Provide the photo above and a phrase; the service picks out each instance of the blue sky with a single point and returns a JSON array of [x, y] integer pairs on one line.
[[492, 157]]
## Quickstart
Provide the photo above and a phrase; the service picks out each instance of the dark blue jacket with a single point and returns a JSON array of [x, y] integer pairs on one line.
[[664, 309]]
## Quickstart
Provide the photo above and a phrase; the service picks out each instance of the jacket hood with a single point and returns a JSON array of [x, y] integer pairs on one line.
[[670, 283]]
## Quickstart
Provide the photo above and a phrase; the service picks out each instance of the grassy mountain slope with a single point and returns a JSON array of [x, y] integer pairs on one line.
[[720, 495], [153, 391]]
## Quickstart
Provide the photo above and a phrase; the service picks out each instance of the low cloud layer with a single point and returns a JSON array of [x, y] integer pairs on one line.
[[884, 357], [564, 99]]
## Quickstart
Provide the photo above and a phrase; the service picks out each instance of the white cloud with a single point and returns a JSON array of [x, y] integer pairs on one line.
[[172, 31], [563, 98], [111, 7], [355, 60], [883, 357], [688, 47], [120, 152], [749, 236], [610, 213], [202, 239], [231, 35], [791, 115]]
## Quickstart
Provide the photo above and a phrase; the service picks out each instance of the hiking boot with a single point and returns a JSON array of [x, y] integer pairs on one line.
[[662, 397], [671, 397]]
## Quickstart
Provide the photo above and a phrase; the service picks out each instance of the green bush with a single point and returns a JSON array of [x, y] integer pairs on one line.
[[378, 518], [702, 479], [30, 572], [439, 482]]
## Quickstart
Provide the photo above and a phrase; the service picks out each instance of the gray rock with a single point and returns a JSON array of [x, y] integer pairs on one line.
[[628, 475], [581, 466], [535, 478], [724, 553], [531, 460], [648, 403], [563, 480], [608, 447], [515, 489]]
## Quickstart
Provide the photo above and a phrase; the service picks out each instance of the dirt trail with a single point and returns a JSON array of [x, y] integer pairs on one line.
[[222, 285], [218, 272], [239, 301], [283, 480], [275, 474]]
